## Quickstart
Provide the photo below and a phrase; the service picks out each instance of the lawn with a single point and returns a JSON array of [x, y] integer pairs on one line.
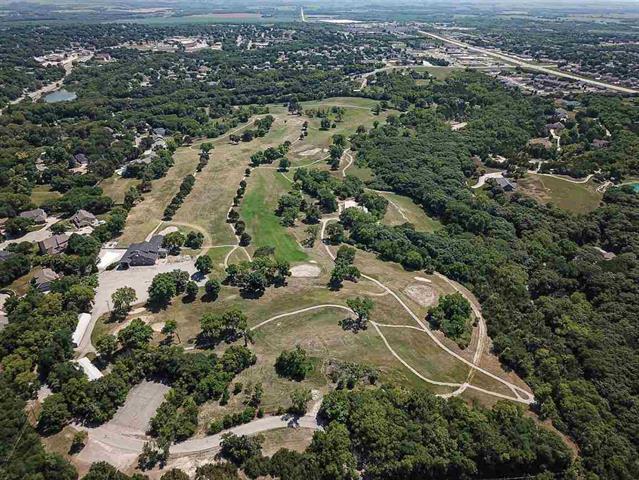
[[265, 186], [42, 193], [574, 197]]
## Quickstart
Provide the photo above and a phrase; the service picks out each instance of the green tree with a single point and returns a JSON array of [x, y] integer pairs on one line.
[[293, 364], [212, 289], [162, 289], [122, 300], [204, 264], [362, 307], [135, 335], [170, 328], [299, 400], [106, 345], [173, 242], [54, 415]]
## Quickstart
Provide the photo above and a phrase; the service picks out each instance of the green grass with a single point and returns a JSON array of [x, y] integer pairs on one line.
[[403, 209], [263, 191], [574, 197], [42, 193]]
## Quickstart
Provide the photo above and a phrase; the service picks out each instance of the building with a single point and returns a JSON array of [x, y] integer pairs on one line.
[[84, 319], [78, 160], [38, 215], [53, 245], [506, 184], [82, 218], [92, 372], [598, 143], [143, 253], [43, 279]]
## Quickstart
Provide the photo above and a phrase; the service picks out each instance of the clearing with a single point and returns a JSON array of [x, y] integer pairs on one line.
[[571, 196]]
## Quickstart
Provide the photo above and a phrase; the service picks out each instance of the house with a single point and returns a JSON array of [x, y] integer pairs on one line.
[[598, 143], [84, 319], [561, 113], [159, 132], [103, 57], [38, 215], [144, 253], [506, 184], [42, 281], [82, 218], [557, 127], [92, 372], [53, 245], [78, 160]]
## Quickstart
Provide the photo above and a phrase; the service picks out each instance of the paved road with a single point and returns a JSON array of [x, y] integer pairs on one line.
[[138, 278], [530, 66], [212, 442]]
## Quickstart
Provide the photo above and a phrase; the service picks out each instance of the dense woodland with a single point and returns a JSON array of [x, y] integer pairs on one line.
[[559, 314]]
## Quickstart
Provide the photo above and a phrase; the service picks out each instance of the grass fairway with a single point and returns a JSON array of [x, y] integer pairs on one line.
[[574, 197], [215, 186], [265, 186], [147, 214], [402, 209], [116, 186]]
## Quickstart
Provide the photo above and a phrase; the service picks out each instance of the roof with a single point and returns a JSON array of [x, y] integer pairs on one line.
[[80, 158], [504, 182], [83, 216], [150, 249], [83, 323], [56, 242], [45, 275], [36, 214], [89, 369]]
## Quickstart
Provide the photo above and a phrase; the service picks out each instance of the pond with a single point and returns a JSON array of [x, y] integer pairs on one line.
[[60, 96]]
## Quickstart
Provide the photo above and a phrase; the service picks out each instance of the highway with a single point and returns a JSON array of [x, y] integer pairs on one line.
[[531, 66]]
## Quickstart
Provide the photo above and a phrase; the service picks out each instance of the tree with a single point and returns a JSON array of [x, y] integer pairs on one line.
[[174, 474], [135, 335], [335, 232], [312, 232], [293, 364], [54, 414], [106, 345], [173, 242], [191, 290], [194, 240], [204, 264], [452, 316], [18, 226], [313, 214], [245, 240], [217, 471], [170, 328], [284, 164], [79, 441], [212, 289], [238, 449], [122, 299], [362, 308], [162, 289], [299, 401]]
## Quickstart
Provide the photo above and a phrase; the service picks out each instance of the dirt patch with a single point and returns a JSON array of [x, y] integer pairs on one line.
[[421, 294], [168, 230], [157, 327], [310, 152], [306, 270]]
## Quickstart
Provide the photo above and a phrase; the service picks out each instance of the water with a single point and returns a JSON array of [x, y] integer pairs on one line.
[[60, 96], [635, 187]]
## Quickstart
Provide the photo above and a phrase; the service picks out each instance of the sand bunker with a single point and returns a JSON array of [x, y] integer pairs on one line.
[[157, 327], [168, 230], [306, 270], [309, 152], [421, 294]]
